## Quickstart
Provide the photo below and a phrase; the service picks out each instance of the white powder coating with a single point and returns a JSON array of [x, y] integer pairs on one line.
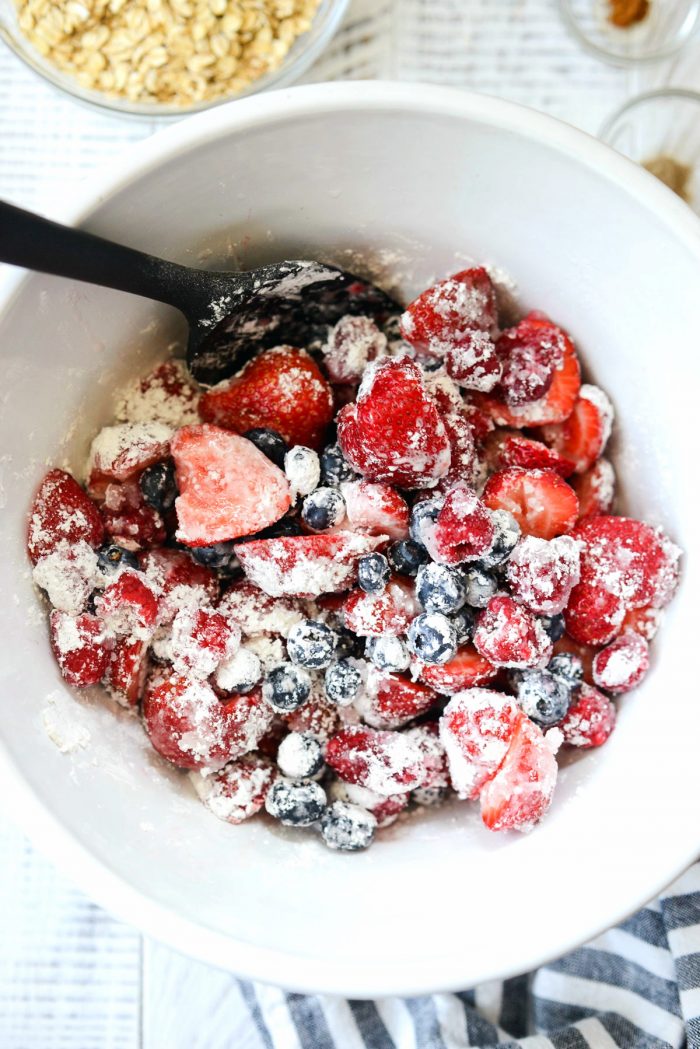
[[476, 731], [602, 480], [162, 644], [436, 774], [303, 568], [239, 671], [125, 617], [600, 400], [299, 755], [302, 468], [191, 653], [462, 306], [503, 629], [473, 362], [543, 572], [68, 575], [167, 395], [238, 791], [269, 650], [120, 450], [351, 344], [62, 725], [257, 613], [621, 665], [397, 762], [385, 809], [204, 732], [444, 390]]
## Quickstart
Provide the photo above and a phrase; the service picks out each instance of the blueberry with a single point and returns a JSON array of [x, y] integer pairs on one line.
[[480, 586], [543, 697], [507, 533], [373, 573], [158, 487], [388, 653], [299, 756], [286, 525], [112, 557], [347, 827], [440, 588], [554, 625], [427, 796], [311, 644], [343, 682], [348, 644], [568, 668], [270, 443], [431, 364], [218, 556], [406, 557], [302, 469], [286, 688], [432, 638], [323, 509], [423, 515], [464, 623], [296, 803], [334, 466]]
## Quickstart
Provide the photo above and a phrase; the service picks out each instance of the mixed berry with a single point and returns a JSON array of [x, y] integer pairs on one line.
[[362, 576]]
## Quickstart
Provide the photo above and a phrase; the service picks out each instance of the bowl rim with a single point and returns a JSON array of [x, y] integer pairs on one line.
[[95, 877]]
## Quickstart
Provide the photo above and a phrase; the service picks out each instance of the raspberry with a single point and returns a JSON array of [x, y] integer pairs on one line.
[[445, 313], [134, 528], [351, 344], [81, 647], [436, 774], [622, 664], [385, 762], [643, 621], [542, 573], [165, 395], [521, 791], [473, 362], [590, 720], [509, 636], [463, 530], [61, 511], [178, 579], [202, 639], [593, 615], [125, 674], [476, 729]]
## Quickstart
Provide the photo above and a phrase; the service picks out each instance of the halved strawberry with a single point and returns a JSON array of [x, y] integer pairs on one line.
[[239, 790], [463, 530], [593, 615], [621, 665], [445, 313], [590, 719], [166, 394], [393, 432], [532, 353], [128, 605], [121, 452], [61, 511], [543, 572], [473, 361], [521, 791], [202, 638], [125, 676], [81, 647], [465, 670], [385, 762], [509, 636], [583, 436], [228, 487], [542, 503], [595, 489], [305, 565], [505, 448], [392, 700], [376, 509], [281, 389], [389, 611], [476, 729]]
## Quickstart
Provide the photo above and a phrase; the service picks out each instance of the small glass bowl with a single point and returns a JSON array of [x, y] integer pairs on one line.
[[661, 131], [662, 32], [302, 54]]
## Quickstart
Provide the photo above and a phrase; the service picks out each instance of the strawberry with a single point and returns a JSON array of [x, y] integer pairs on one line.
[[392, 700], [69, 574], [281, 389], [128, 605], [305, 565], [393, 432], [521, 791], [583, 436], [189, 727], [228, 487], [317, 717], [621, 665], [436, 774], [593, 615], [61, 511], [178, 579], [542, 572], [121, 452], [447, 312], [465, 670], [166, 394], [134, 529], [239, 790], [590, 719], [643, 621], [385, 762], [595, 489], [388, 611], [257, 613], [532, 353], [202, 639], [351, 344], [81, 647], [505, 448], [479, 420], [542, 503], [376, 509], [476, 729], [473, 361], [463, 530], [464, 462], [509, 636], [125, 675]]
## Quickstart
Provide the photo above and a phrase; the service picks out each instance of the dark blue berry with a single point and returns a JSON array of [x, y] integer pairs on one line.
[[323, 509], [348, 644], [284, 527], [429, 796], [554, 625], [431, 364], [158, 486], [296, 803], [343, 682], [464, 623], [270, 443], [218, 556], [311, 644], [440, 588], [347, 827], [506, 535], [406, 557], [568, 668], [112, 557], [480, 586], [334, 466], [373, 573], [423, 515], [543, 697], [286, 688], [299, 756], [432, 638], [388, 653]]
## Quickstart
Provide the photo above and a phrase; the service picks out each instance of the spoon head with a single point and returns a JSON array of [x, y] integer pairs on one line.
[[287, 302]]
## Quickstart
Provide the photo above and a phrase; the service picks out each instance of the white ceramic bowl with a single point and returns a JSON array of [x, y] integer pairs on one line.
[[423, 177]]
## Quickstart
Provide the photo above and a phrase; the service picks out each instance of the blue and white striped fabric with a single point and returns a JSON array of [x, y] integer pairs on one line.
[[635, 987]]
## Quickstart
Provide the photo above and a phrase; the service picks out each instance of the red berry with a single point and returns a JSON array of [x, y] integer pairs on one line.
[[509, 636], [589, 721], [479, 420], [81, 647], [476, 729], [583, 436], [388, 612], [393, 432], [392, 700], [257, 613], [473, 361], [505, 448], [202, 638], [445, 313], [542, 503], [376, 509], [435, 771], [125, 676], [239, 790], [385, 762], [465, 670], [531, 353], [463, 530], [621, 665], [542, 573], [166, 395], [595, 489], [228, 488], [385, 809], [178, 579], [134, 529], [61, 511], [317, 717], [128, 605], [352, 343], [593, 615], [464, 462], [282, 390], [121, 452], [521, 791], [643, 621], [305, 565]]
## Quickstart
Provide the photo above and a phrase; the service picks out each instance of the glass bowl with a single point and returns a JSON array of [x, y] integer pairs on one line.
[[664, 29], [302, 54], [661, 131]]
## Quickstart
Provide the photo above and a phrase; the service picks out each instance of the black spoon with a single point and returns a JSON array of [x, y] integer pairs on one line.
[[231, 316]]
